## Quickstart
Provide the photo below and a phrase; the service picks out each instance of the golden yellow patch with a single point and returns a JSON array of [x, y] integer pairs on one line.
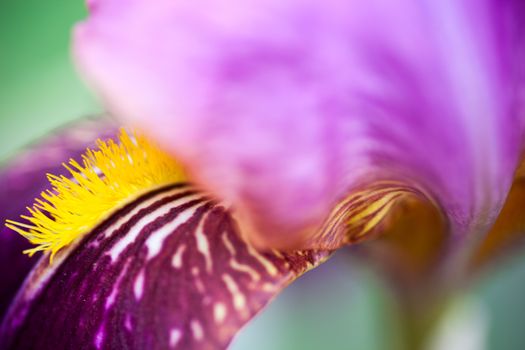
[[107, 178]]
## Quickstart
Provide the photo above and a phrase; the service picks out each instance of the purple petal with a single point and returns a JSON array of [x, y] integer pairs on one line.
[[21, 181], [168, 271], [284, 107]]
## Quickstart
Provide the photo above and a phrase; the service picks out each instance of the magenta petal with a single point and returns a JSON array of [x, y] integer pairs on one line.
[[283, 107], [168, 271], [22, 179]]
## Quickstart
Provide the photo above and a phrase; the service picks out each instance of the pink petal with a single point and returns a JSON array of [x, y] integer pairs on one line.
[[282, 108]]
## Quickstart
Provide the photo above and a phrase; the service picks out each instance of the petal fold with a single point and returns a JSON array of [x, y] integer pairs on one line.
[[506, 237]]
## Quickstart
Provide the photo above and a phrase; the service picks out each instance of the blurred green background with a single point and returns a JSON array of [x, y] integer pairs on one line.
[[339, 306], [39, 87]]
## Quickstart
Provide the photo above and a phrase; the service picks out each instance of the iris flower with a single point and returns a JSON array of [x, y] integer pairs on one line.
[[265, 135]]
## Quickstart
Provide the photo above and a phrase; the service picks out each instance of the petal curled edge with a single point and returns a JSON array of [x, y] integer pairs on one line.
[[506, 237], [168, 271], [283, 108], [22, 180]]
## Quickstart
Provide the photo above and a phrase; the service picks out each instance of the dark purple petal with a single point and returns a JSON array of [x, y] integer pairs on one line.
[[22, 179], [167, 271]]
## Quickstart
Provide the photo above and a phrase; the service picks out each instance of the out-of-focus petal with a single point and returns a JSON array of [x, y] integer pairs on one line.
[[507, 236], [168, 271], [283, 108], [22, 178]]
